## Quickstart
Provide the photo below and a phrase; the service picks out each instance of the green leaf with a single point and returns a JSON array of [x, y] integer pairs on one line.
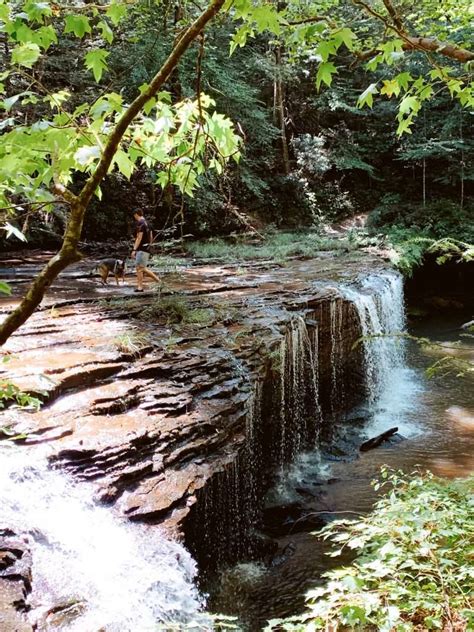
[[326, 49], [95, 61], [10, 102], [12, 230], [116, 12], [56, 99], [409, 104], [390, 87], [45, 36], [36, 11], [26, 54], [86, 155], [267, 19], [124, 164], [403, 79], [345, 36], [4, 13], [77, 24], [367, 97], [107, 32], [404, 125], [325, 72], [5, 288]]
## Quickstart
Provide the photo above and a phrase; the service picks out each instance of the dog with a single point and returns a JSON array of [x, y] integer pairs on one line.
[[116, 267]]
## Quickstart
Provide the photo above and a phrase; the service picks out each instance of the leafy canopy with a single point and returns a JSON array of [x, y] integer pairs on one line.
[[48, 136]]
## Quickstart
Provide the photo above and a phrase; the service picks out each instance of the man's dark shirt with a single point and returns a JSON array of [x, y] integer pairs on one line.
[[142, 227]]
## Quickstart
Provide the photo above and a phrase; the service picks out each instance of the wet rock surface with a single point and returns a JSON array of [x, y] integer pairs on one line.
[[147, 409], [15, 581], [147, 396]]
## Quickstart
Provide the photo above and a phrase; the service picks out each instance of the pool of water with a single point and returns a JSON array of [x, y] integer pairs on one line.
[[436, 418]]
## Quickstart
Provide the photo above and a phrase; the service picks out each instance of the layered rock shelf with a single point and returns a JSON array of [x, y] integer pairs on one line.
[[157, 415]]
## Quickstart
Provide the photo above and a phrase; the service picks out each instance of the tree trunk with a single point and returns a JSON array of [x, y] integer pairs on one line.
[[279, 110], [68, 253], [424, 182]]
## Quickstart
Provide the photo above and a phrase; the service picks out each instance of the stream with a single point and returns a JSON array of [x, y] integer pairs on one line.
[[435, 417], [92, 571], [95, 570]]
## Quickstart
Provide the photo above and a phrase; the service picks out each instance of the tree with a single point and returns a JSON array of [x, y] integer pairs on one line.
[[49, 138], [98, 157]]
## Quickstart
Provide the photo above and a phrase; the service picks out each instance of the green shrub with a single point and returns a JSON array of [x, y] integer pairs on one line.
[[12, 395], [409, 247], [414, 567], [176, 311]]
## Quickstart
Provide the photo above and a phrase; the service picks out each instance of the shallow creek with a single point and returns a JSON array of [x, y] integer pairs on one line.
[[436, 418]]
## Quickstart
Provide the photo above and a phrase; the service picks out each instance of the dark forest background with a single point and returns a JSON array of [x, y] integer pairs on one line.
[[310, 158]]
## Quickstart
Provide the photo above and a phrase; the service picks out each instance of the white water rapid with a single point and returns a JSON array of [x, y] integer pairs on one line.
[[116, 576]]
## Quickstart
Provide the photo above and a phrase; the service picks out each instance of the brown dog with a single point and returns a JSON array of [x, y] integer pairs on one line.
[[111, 266]]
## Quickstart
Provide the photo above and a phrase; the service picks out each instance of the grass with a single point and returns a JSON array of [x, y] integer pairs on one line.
[[168, 263], [278, 246], [176, 311]]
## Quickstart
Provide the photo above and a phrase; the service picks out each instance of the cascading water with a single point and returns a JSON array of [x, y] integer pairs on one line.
[[379, 303], [299, 404], [335, 332], [390, 383], [121, 577], [378, 300]]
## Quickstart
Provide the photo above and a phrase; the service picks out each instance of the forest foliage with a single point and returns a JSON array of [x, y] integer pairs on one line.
[[229, 115], [370, 118]]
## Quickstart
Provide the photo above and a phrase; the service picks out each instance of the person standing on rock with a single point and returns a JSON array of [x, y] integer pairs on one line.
[[141, 250]]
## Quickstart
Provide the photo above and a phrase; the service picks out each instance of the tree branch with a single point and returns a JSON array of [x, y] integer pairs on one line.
[[425, 44], [69, 253], [136, 106], [394, 15], [434, 45], [311, 20]]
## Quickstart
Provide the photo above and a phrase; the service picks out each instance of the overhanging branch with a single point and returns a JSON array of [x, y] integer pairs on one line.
[[69, 253], [420, 43]]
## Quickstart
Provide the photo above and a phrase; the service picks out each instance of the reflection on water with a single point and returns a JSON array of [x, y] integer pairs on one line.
[[436, 417]]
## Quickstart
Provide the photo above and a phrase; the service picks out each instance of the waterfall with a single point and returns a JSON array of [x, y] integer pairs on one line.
[[300, 414], [379, 304], [117, 576], [391, 385], [335, 333]]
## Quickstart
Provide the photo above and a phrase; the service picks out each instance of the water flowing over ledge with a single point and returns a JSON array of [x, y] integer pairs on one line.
[[187, 436], [294, 402]]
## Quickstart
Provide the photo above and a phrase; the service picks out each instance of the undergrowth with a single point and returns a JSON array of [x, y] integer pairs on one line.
[[12, 395], [414, 568], [131, 342], [175, 310], [275, 246], [409, 248]]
